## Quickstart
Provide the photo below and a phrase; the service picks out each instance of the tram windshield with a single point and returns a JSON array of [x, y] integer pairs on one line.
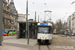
[[44, 29]]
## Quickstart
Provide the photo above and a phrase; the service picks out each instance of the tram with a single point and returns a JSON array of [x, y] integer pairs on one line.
[[44, 33]]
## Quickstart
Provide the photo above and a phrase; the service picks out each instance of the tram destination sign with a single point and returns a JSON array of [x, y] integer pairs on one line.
[[43, 24]]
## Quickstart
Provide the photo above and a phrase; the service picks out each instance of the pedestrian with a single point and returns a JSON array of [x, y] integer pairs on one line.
[[23, 33]]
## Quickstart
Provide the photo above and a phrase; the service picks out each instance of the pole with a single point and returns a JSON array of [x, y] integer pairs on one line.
[[1, 20], [28, 32], [27, 21], [35, 33], [35, 16], [50, 16], [64, 27], [44, 16], [38, 18], [35, 21]]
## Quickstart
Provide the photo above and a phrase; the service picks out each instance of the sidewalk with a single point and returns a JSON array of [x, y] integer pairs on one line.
[[17, 44], [6, 47], [8, 37]]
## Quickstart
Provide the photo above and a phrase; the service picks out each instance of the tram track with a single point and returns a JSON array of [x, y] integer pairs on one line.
[[69, 42], [58, 43], [39, 47], [48, 47]]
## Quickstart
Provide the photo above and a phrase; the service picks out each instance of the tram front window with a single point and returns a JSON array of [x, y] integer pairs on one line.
[[44, 30]]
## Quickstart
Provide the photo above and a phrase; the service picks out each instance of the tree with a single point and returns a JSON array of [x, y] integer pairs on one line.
[[59, 25], [53, 26]]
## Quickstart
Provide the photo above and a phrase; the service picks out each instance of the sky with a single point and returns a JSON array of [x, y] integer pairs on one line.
[[61, 9]]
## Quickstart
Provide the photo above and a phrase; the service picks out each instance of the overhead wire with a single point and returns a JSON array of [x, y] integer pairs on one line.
[[67, 11], [73, 6], [45, 4]]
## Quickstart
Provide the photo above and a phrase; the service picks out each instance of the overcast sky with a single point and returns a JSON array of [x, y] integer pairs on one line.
[[59, 8]]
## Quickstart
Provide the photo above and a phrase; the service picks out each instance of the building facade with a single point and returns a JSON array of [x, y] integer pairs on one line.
[[71, 23], [14, 15], [8, 17], [21, 17]]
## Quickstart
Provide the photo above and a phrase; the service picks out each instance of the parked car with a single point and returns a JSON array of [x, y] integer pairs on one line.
[[73, 34]]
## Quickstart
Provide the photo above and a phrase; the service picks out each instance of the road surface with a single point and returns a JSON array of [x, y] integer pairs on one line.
[[58, 43]]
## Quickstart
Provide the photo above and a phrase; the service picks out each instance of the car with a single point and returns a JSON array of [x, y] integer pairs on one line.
[[73, 34]]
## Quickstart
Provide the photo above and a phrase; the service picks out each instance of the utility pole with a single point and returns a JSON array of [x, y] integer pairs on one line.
[[64, 26], [27, 21], [50, 16], [44, 16], [35, 26], [35, 16], [38, 18], [1, 20]]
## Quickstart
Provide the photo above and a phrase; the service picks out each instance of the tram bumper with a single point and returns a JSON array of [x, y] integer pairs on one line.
[[44, 40]]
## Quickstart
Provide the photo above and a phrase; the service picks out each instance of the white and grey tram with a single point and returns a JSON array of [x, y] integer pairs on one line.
[[44, 34]]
